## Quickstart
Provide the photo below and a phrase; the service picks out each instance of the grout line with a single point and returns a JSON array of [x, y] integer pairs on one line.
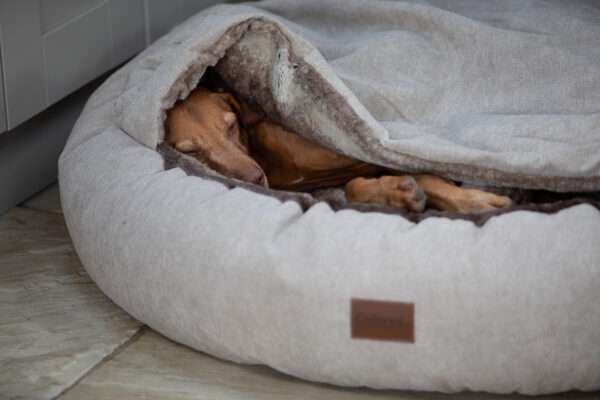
[[132, 339]]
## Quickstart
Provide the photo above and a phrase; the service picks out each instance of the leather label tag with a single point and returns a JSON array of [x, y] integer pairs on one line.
[[383, 320]]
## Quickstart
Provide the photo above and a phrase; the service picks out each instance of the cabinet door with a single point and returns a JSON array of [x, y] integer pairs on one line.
[[53, 47], [24, 84], [90, 44], [76, 52], [58, 12]]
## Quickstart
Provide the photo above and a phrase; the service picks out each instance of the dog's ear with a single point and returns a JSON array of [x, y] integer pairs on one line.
[[249, 116], [245, 114], [231, 101]]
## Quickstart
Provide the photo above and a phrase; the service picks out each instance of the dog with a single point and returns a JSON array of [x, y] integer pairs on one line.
[[226, 134]]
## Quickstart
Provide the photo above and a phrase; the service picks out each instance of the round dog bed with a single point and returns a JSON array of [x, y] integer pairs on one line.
[[500, 302]]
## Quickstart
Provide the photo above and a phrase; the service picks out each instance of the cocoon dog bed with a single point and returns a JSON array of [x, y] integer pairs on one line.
[[497, 93]]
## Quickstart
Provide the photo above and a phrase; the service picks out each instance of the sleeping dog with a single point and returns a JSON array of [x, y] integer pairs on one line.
[[228, 136]]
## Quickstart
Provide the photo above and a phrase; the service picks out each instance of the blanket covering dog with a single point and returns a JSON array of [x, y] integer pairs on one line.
[[496, 92], [501, 93]]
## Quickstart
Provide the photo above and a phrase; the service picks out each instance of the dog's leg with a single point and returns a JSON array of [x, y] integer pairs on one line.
[[445, 195], [393, 191], [411, 193]]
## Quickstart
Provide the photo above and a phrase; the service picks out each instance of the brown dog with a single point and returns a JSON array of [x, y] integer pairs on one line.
[[206, 126]]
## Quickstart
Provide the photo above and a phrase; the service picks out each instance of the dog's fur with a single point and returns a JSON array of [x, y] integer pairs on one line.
[[238, 142]]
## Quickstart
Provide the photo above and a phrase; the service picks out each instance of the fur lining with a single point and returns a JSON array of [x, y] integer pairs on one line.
[[191, 166]]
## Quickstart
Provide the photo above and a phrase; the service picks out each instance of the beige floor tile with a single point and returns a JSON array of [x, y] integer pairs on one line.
[[153, 368], [47, 200], [55, 324]]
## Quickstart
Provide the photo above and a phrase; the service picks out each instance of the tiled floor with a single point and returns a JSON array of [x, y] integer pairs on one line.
[[61, 337]]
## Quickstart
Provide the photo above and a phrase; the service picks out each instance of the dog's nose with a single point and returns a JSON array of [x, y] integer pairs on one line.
[[256, 176], [262, 181]]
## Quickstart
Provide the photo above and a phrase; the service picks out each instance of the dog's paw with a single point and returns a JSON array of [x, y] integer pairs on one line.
[[403, 192], [393, 191], [474, 200]]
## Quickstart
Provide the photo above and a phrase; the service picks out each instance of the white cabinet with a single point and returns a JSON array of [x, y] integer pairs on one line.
[[77, 52], [49, 49], [53, 47], [22, 57], [58, 12], [92, 43]]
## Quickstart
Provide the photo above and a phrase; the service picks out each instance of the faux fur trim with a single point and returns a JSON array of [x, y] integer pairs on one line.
[[191, 166]]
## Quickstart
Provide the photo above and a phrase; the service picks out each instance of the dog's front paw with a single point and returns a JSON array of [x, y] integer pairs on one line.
[[474, 200], [403, 192], [393, 191]]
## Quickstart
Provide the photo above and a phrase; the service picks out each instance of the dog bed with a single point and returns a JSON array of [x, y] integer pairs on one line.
[[498, 93]]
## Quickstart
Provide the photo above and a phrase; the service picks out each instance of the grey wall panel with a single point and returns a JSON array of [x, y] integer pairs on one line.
[[2, 105], [57, 12], [163, 15], [23, 59], [191, 7], [128, 28], [77, 53]]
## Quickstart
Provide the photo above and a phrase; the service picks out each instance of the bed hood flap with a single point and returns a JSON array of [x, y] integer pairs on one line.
[[503, 94]]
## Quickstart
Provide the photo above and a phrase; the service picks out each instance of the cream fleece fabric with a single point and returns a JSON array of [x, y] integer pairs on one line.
[[508, 87]]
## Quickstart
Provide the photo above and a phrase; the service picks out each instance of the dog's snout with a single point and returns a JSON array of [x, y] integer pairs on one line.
[[256, 176], [262, 181]]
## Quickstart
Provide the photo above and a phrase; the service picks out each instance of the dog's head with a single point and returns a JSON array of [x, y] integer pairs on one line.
[[206, 126]]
